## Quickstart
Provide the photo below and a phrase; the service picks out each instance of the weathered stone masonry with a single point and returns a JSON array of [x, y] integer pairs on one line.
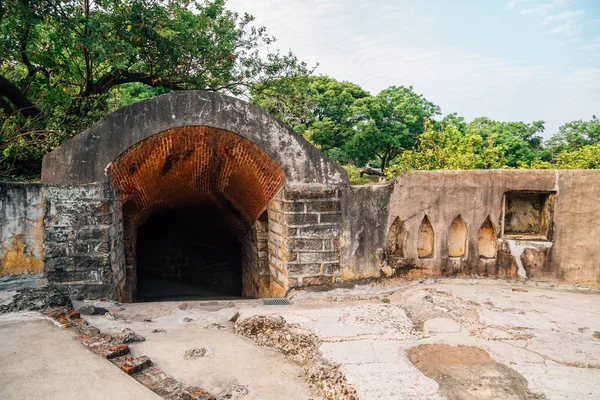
[[83, 238], [519, 224], [21, 233], [314, 223], [234, 158]]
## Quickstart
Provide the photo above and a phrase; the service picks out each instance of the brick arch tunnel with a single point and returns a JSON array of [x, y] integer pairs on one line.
[[191, 196], [198, 178]]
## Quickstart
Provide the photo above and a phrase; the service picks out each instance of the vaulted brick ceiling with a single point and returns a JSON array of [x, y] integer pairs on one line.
[[201, 166]]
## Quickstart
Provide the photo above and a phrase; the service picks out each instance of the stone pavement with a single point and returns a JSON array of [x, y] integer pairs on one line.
[[451, 338], [548, 339]]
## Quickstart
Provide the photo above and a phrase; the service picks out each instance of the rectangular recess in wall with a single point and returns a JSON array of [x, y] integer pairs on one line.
[[528, 215]]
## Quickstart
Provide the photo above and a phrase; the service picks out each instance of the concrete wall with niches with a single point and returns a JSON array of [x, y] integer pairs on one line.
[[556, 216]]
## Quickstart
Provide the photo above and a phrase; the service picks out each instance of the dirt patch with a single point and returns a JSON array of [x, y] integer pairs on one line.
[[469, 373], [302, 346], [195, 353]]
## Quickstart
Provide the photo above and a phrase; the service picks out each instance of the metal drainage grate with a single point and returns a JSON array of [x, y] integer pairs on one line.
[[276, 302]]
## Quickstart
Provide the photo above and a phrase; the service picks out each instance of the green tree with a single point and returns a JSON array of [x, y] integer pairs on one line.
[[454, 120], [523, 141], [389, 123], [66, 63], [318, 107], [576, 134], [345, 121], [585, 157], [355, 177], [449, 148]]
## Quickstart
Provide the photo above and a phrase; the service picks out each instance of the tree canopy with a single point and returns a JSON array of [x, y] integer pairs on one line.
[[318, 107], [345, 121], [67, 63], [399, 130], [575, 135], [448, 148], [523, 141], [389, 123]]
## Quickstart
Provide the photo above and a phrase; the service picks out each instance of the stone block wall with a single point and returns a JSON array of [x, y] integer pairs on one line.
[[80, 233], [540, 225], [312, 217], [302, 245], [365, 228], [277, 250], [256, 277], [250, 277], [116, 234]]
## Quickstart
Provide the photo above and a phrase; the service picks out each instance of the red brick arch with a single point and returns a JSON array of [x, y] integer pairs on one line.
[[192, 166], [198, 165]]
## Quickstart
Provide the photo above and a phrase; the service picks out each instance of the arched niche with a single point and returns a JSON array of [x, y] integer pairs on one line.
[[457, 238], [425, 239], [487, 241], [397, 239]]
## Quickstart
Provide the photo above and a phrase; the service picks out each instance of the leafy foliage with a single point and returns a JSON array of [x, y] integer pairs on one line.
[[448, 148], [318, 107], [575, 135], [586, 157], [396, 130], [389, 123], [345, 121], [522, 140], [354, 176]]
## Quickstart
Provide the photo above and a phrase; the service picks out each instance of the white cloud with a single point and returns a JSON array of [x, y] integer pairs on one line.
[[584, 84], [555, 17]]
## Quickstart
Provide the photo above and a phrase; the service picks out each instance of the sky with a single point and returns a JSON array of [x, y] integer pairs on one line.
[[508, 60]]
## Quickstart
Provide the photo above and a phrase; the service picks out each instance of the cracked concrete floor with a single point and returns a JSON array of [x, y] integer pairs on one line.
[[548, 339], [454, 339]]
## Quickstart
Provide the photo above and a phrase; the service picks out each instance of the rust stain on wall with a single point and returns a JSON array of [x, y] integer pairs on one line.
[[19, 259]]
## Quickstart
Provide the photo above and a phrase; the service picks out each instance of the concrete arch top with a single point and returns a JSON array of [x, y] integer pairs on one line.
[[85, 157]]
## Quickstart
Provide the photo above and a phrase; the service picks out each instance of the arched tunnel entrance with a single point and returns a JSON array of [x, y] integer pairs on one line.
[[195, 215], [211, 162], [186, 253]]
